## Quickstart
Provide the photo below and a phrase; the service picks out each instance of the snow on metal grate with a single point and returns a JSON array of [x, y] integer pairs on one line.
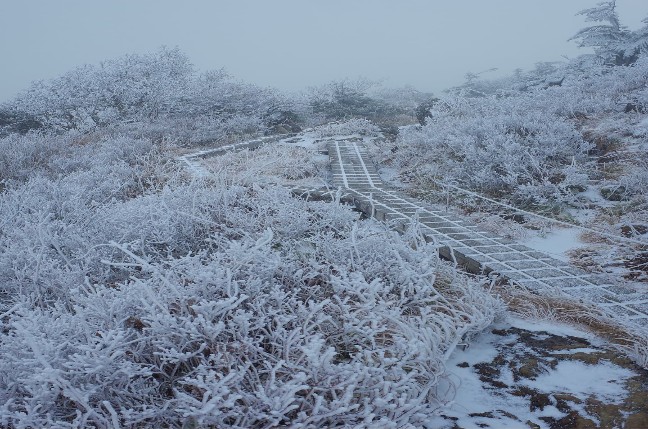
[[481, 251]]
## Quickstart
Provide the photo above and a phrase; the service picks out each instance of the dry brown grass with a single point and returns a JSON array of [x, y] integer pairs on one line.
[[567, 310], [603, 143]]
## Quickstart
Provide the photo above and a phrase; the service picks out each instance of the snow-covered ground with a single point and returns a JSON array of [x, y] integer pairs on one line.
[[539, 374], [556, 242]]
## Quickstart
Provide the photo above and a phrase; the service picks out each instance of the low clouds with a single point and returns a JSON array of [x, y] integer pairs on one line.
[[292, 44]]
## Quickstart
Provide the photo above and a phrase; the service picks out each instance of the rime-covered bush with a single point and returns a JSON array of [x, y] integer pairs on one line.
[[523, 138], [276, 163], [501, 147], [151, 95], [90, 161], [132, 86], [357, 126], [168, 303], [23, 156], [199, 130]]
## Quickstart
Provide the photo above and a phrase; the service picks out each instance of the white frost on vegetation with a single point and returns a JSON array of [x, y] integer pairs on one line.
[[349, 127], [133, 297]]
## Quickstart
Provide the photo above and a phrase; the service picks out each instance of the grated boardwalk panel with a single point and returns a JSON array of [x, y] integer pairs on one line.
[[479, 251]]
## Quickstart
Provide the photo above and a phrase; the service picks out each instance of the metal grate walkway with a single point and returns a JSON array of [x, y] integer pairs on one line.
[[478, 250]]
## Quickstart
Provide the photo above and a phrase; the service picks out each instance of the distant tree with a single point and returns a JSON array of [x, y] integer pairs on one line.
[[129, 87], [638, 43], [476, 85], [404, 98], [423, 110], [345, 99], [160, 89], [216, 95], [14, 121], [544, 75], [608, 37]]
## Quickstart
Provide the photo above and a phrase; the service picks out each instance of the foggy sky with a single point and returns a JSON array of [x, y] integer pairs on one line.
[[292, 44]]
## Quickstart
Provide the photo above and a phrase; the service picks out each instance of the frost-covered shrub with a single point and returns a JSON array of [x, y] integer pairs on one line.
[[131, 299], [641, 129], [193, 130], [503, 147], [156, 96], [360, 126], [104, 166], [132, 86], [272, 163], [24, 155], [224, 306], [521, 138]]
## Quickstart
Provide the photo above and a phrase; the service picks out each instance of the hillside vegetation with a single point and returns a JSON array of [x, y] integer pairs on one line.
[[135, 295], [566, 140]]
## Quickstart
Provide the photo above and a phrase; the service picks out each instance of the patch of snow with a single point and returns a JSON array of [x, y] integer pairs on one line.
[[472, 396], [556, 242], [604, 380], [388, 174], [593, 194], [553, 327], [306, 140], [472, 403]]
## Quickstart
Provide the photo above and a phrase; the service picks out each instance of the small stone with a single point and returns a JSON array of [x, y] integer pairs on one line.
[[487, 414]]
